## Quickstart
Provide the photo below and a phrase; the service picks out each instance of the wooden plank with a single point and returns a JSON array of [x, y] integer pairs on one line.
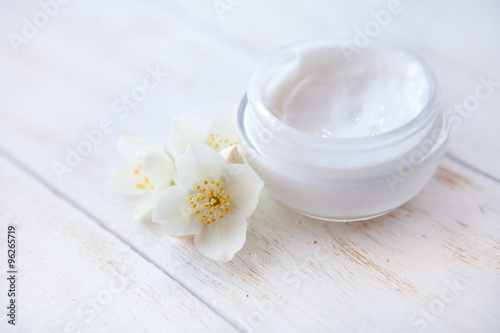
[[451, 56], [73, 276], [357, 277], [450, 42]]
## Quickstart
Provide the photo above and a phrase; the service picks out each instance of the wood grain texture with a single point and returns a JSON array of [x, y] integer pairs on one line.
[[75, 277], [294, 273], [457, 40]]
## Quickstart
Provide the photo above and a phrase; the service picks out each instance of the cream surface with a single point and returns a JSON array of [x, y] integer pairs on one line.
[[319, 92]]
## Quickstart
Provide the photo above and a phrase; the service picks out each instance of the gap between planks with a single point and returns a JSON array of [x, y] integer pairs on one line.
[[147, 258], [96, 220], [230, 39], [464, 164]]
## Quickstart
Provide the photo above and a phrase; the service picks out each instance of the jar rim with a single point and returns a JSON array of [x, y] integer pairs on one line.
[[427, 114]]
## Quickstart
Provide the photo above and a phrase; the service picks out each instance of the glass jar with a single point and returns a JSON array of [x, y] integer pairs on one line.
[[340, 135]]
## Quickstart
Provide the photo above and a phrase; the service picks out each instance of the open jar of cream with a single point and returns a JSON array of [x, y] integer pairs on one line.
[[343, 138]]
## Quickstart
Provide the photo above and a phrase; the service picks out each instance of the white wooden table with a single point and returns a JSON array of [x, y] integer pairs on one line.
[[85, 265]]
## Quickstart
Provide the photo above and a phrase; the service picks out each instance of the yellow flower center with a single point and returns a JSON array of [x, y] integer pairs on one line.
[[209, 201], [142, 180], [218, 143]]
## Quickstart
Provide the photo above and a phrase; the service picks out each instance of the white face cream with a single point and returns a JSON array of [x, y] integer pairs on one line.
[[321, 94], [343, 140]]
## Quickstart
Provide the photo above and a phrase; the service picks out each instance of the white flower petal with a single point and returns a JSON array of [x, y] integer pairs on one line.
[[175, 177], [157, 165], [244, 187], [200, 163], [128, 145], [232, 155], [125, 180], [175, 214], [144, 207], [222, 239], [225, 122], [188, 129]]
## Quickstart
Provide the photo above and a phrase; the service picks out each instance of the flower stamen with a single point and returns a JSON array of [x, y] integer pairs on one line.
[[213, 204], [218, 143], [143, 181]]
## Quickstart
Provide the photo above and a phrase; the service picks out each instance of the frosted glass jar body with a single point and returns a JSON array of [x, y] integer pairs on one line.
[[331, 146]]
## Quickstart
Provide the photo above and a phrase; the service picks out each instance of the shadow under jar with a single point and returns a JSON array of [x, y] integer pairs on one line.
[[343, 137]]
